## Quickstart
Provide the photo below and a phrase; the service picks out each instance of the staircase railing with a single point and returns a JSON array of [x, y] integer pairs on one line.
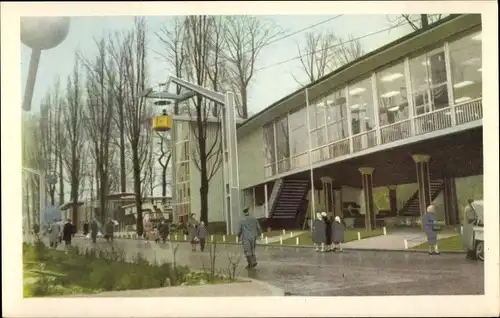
[[415, 196], [274, 194]]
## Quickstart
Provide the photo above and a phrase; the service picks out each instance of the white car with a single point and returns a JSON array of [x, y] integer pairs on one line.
[[472, 234]]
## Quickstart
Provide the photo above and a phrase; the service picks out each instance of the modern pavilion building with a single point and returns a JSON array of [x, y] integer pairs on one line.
[[405, 118]]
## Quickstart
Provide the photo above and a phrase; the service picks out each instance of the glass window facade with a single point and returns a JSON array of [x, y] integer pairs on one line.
[[466, 68], [361, 106], [392, 95], [412, 96]]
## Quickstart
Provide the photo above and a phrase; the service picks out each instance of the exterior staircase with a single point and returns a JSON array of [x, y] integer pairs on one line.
[[412, 206], [289, 207]]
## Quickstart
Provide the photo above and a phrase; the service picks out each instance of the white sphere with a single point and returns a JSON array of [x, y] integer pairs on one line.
[[44, 33]]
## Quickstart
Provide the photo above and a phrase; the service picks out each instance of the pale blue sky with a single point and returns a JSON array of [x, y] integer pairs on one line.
[[268, 85]]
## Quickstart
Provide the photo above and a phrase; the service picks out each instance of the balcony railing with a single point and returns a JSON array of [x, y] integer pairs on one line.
[[364, 140], [425, 123]]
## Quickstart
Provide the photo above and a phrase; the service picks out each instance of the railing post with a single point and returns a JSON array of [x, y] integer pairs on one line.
[[409, 90], [449, 83], [376, 109], [349, 120]]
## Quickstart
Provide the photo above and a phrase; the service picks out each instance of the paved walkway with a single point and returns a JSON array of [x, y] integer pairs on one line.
[[248, 288], [393, 241], [301, 271]]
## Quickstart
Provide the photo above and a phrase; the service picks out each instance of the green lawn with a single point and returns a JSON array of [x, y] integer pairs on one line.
[[349, 235], [219, 238], [453, 243]]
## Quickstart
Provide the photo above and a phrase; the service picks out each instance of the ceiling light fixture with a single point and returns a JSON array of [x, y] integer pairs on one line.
[[463, 84], [462, 99], [356, 91], [390, 94], [391, 77]]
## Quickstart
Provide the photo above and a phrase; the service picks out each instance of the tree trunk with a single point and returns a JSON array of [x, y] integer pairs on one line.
[[425, 20], [123, 177], [137, 189], [244, 103], [61, 179], [204, 182]]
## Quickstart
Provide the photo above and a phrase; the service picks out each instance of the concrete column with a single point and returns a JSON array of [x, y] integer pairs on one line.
[[367, 182], [423, 181], [451, 212], [328, 194], [393, 199]]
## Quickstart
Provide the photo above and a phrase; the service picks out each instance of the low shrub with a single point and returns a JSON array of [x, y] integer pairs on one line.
[[87, 270]]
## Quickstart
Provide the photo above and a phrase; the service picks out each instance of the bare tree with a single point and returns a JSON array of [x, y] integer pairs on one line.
[[165, 154], [98, 119], [244, 38], [136, 111], [416, 21], [323, 53], [48, 145], [173, 39], [206, 152], [73, 120]]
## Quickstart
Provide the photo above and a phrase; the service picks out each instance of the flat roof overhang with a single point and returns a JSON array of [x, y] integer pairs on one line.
[[408, 46], [456, 155]]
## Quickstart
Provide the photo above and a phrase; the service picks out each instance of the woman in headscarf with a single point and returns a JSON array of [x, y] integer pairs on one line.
[[192, 228], [328, 232], [338, 234], [318, 233], [430, 229]]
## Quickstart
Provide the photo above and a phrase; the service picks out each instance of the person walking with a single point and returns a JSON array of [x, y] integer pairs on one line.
[[85, 228], [54, 231], [328, 231], [109, 230], [67, 234], [164, 230], [248, 232], [318, 233], [192, 228], [202, 235], [94, 228], [36, 233], [430, 229], [338, 234]]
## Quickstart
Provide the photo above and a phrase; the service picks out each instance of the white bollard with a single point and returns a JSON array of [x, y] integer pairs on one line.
[[224, 238], [385, 231], [461, 230], [297, 241], [211, 238], [267, 242], [175, 237], [291, 234], [359, 236], [261, 236], [406, 244], [236, 239], [168, 237], [281, 240], [185, 237], [284, 232]]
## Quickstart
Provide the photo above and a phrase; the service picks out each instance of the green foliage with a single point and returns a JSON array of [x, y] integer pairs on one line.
[[49, 272]]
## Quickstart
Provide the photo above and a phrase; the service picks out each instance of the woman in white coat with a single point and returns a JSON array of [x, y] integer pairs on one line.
[[54, 232]]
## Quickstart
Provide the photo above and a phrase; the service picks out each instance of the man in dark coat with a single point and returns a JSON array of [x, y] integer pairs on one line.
[[248, 232], [164, 230], [68, 232], [85, 228], [328, 232], [94, 228]]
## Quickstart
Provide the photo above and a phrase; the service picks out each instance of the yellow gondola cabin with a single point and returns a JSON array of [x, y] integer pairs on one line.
[[162, 122]]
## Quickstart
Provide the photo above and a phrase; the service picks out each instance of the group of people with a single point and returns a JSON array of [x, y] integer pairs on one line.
[[197, 233], [327, 236], [155, 234], [58, 233]]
